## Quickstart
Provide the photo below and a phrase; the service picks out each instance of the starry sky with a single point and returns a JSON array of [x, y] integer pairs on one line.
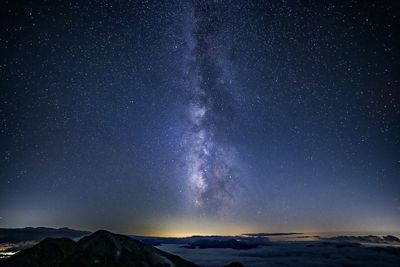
[[200, 117]]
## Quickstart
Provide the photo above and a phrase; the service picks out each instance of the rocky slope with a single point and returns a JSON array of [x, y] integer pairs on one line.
[[100, 249]]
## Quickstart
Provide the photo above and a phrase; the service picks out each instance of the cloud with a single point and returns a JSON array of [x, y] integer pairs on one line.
[[292, 254]]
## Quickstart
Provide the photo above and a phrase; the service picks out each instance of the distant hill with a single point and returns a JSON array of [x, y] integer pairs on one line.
[[101, 249], [15, 235], [227, 243], [389, 239], [270, 234]]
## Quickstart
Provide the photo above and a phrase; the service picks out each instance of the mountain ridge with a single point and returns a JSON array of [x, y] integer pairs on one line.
[[14, 235], [101, 249]]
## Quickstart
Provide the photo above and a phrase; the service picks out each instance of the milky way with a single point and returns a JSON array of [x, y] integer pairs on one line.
[[209, 156]]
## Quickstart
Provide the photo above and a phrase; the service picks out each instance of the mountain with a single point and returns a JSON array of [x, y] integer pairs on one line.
[[229, 243], [14, 235], [389, 239], [270, 234], [101, 249]]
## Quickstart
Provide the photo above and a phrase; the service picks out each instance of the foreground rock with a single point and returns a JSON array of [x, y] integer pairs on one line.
[[101, 249]]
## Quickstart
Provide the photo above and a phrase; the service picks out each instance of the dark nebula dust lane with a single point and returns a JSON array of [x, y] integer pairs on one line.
[[210, 158]]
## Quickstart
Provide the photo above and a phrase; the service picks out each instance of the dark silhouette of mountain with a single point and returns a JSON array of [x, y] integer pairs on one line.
[[14, 235], [101, 249], [389, 239], [229, 243], [210, 241], [270, 234]]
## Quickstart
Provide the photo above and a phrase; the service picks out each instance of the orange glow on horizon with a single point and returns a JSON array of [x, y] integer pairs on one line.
[[189, 227]]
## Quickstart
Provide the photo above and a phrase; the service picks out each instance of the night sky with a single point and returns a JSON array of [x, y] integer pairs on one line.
[[200, 117]]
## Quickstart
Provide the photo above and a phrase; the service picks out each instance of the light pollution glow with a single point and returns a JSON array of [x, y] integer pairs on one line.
[[183, 227]]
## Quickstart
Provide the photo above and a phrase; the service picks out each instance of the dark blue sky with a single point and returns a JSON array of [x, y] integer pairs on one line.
[[182, 117]]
